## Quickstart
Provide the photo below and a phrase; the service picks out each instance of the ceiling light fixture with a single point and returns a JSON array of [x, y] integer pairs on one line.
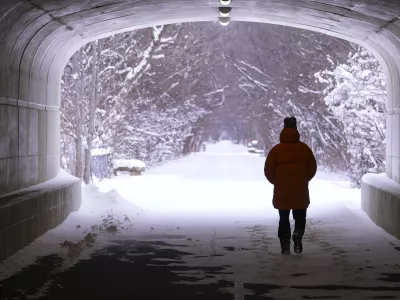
[[224, 21], [225, 2], [225, 11]]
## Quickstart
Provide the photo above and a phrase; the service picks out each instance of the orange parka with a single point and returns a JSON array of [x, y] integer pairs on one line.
[[290, 165]]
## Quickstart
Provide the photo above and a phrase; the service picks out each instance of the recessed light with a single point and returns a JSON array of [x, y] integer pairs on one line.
[[225, 11]]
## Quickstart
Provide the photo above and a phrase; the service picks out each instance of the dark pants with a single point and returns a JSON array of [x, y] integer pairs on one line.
[[299, 216]]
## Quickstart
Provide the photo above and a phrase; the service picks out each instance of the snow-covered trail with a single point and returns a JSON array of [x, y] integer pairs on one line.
[[203, 227], [225, 179]]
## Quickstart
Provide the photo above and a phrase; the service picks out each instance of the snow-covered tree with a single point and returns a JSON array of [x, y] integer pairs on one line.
[[74, 106], [120, 92], [270, 72], [356, 95]]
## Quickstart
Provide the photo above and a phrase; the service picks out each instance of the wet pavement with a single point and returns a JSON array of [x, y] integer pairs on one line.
[[225, 260]]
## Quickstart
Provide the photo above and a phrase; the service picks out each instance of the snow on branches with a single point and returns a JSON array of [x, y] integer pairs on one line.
[[118, 93], [355, 93]]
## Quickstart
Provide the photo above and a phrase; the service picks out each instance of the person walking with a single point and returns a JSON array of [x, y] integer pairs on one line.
[[290, 165]]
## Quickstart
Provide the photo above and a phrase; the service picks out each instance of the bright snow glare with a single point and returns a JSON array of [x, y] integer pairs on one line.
[[225, 179]]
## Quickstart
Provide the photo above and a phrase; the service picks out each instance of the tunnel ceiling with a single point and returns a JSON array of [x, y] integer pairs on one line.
[[38, 37]]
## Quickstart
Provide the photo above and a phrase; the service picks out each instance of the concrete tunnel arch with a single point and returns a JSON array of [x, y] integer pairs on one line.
[[38, 37]]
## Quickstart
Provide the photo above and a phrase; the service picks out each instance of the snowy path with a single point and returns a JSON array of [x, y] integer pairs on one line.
[[203, 227]]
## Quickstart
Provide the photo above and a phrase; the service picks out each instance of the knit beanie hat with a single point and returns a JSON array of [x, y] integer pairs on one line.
[[290, 122]]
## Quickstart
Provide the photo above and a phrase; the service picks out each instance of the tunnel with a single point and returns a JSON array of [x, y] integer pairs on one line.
[[38, 37]]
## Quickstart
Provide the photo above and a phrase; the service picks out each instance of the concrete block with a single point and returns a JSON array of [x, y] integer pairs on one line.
[[23, 131], [33, 146], [26, 215], [395, 135], [28, 171], [382, 204], [42, 169], [389, 166], [53, 132], [53, 165], [389, 130], [9, 175], [28, 131], [8, 131], [23, 171], [395, 168], [42, 132]]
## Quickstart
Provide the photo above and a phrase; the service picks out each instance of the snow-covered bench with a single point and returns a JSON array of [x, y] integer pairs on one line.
[[133, 166]]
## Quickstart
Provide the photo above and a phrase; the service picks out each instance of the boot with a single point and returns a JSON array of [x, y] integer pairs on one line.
[[284, 233], [285, 245], [298, 245]]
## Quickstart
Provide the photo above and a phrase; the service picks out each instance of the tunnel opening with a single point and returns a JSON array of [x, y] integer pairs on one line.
[[236, 108], [161, 92]]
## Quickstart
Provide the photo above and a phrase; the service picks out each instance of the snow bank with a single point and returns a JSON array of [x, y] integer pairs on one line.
[[382, 182], [106, 212], [96, 201], [128, 163]]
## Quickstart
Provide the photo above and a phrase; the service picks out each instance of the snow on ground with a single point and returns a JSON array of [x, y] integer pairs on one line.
[[224, 179], [101, 215], [219, 199]]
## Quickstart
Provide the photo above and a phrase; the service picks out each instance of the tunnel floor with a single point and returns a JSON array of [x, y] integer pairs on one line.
[[203, 228]]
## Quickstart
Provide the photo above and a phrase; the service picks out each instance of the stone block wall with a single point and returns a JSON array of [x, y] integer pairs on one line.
[[29, 213], [29, 145]]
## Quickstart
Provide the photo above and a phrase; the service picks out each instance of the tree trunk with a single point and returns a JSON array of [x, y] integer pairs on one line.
[[187, 145], [78, 114], [92, 110]]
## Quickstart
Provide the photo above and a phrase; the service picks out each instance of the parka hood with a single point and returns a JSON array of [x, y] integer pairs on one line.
[[289, 135]]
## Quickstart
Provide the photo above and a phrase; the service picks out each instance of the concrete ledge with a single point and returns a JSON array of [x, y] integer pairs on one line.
[[29, 213], [8, 101], [380, 199]]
